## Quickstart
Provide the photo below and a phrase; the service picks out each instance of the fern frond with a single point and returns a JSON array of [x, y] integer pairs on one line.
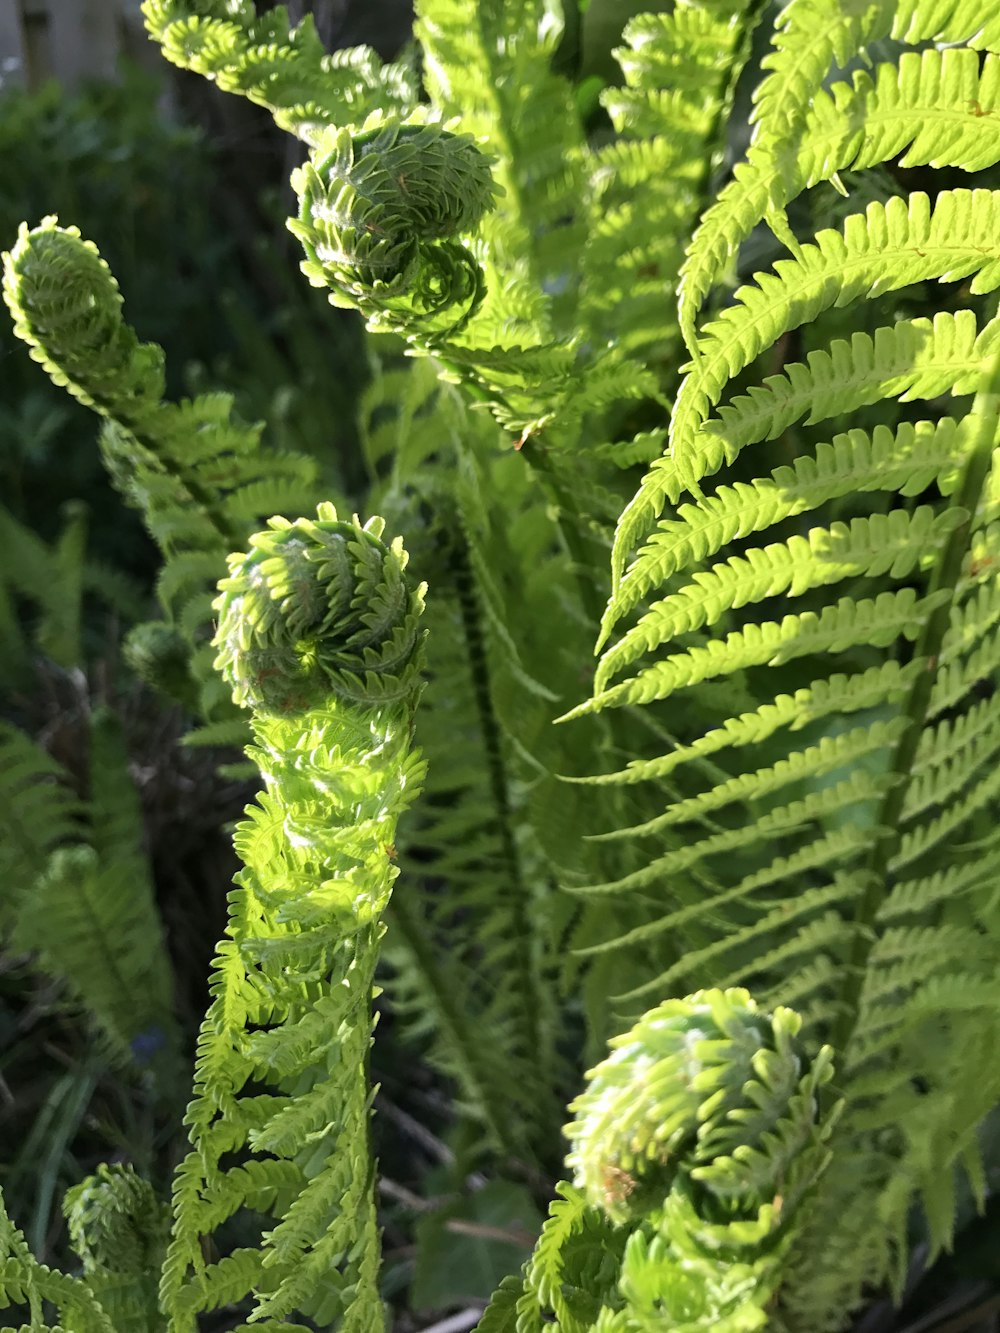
[[876, 621], [277, 65], [837, 800], [25, 1281], [905, 460], [913, 359], [492, 67], [890, 246], [39, 812], [649, 184], [319, 634], [693, 1147], [886, 544], [899, 112], [91, 917], [119, 1229], [196, 473]]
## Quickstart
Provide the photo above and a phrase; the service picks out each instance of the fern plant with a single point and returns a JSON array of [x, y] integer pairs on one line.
[[319, 634], [694, 1144], [78, 894], [785, 769]]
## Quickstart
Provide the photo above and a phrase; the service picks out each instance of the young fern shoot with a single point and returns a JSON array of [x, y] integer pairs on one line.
[[693, 1146], [319, 635]]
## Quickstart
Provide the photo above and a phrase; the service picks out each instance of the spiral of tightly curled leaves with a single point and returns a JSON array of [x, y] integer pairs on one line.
[[116, 1222], [380, 214], [319, 609], [706, 1099], [67, 307]]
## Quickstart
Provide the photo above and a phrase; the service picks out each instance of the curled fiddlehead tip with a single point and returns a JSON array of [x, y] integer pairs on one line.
[[707, 1096], [381, 212], [319, 609], [116, 1222], [67, 307]]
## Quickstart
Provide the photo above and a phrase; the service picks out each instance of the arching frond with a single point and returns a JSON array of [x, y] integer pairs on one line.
[[276, 64], [848, 577]]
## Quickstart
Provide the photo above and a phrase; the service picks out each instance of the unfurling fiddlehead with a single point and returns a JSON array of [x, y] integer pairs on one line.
[[119, 1229], [381, 213], [693, 1145], [197, 473], [318, 634], [67, 307]]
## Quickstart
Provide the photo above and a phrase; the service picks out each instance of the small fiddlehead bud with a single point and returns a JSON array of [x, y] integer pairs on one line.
[[116, 1222], [319, 608], [119, 1228], [380, 215], [709, 1094], [67, 307], [692, 1145], [159, 655]]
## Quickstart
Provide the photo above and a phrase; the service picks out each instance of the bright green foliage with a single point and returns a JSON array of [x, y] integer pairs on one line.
[[680, 72], [119, 1229], [195, 472], [281, 67], [318, 634], [694, 1146], [837, 800], [379, 212], [705, 1093], [502, 287], [785, 779]]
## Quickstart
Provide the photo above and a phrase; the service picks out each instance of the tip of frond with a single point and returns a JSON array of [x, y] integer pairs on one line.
[[581, 710], [608, 621]]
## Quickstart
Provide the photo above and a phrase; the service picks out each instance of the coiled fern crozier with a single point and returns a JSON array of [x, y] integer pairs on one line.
[[379, 214], [693, 1146], [319, 635]]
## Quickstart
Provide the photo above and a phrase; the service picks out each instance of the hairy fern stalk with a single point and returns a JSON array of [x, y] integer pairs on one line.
[[731, 335]]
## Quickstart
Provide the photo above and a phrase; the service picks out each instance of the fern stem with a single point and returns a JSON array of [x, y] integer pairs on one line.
[[531, 993], [566, 511], [404, 921], [985, 413]]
